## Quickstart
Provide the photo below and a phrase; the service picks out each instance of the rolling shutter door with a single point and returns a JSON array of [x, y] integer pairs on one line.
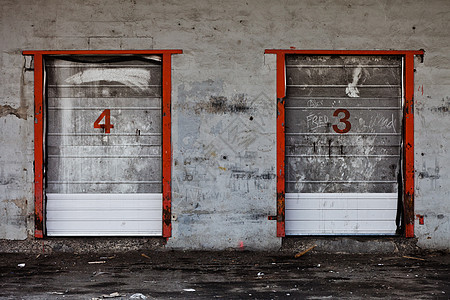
[[343, 144], [103, 146]]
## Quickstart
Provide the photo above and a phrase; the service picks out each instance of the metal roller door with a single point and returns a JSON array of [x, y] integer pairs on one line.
[[343, 144], [103, 146]]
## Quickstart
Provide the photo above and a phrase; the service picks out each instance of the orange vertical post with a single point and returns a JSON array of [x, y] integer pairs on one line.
[[408, 114], [38, 147], [166, 145], [281, 93]]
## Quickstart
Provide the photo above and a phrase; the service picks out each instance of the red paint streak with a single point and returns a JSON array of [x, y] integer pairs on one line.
[[420, 89], [241, 245], [408, 165], [421, 219], [166, 145], [107, 126], [38, 148], [99, 52], [344, 120]]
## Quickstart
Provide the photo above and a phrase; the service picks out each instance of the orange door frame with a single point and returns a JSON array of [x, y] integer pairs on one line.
[[39, 129], [408, 137]]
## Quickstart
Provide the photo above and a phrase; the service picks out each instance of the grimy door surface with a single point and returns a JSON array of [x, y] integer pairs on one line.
[[343, 144], [103, 146]]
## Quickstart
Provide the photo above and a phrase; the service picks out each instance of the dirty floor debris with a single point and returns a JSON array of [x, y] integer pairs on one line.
[[228, 275]]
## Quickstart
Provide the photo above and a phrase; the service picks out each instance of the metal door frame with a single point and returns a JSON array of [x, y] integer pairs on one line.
[[38, 56], [408, 127]]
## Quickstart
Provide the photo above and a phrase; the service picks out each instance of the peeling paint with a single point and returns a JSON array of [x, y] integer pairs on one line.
[[21, 111], [351, 90], [20, 203]]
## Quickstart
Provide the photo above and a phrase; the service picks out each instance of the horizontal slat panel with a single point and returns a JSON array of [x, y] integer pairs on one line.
[[340, 213], [362, 121], [106, 187], [135, 74], [104, 214], [340, 228], [341, 187], [104, 91], [365, 92], [335, 214], [104, 169], [354, 144], [119, 103], [319, 147], [108, 151], [343, 60], [112, 201], [341, 200], [116, 228], [342, 76], [346, 169], [125, 121], [360, 102]]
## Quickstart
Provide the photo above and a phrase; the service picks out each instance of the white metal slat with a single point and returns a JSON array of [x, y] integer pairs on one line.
[[340, 213], [104, 214]]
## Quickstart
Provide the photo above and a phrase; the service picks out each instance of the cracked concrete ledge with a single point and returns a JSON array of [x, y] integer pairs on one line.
[[328, 245], [353, 245], [81, 245]]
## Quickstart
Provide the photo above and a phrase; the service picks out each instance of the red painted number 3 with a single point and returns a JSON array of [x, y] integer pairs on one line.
[[342, 120], [107, 125]]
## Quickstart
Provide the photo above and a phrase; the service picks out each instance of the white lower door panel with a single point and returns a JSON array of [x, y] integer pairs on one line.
[[341, 213], [104, 214]]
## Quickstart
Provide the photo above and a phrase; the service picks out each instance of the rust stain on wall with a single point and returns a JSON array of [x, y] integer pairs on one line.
[[21, 203], [20, 112]]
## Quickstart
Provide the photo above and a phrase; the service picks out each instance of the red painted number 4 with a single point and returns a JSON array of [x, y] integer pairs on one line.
[[107, 125]]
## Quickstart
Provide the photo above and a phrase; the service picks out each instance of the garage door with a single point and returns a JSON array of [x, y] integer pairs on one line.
[[103, 146], [343, 144]]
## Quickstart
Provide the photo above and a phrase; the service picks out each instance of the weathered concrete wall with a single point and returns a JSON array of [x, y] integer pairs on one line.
[[223, 99]]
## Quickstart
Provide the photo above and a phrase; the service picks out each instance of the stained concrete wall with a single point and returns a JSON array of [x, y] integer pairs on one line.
[[223, 99]]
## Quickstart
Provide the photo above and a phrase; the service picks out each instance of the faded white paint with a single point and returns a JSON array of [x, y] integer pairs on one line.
[[352, 90], [219, 202], [131, 77]]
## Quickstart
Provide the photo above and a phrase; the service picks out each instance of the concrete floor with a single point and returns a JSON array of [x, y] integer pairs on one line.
[[226, 274]]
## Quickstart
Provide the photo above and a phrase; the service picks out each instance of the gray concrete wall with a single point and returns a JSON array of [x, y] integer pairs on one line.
[[224, 154]]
